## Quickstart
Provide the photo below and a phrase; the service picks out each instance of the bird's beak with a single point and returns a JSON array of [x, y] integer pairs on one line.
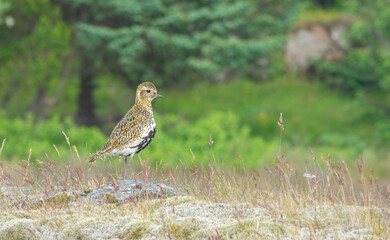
[[160, 96]]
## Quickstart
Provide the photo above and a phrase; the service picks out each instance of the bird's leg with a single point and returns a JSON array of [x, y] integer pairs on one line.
[[131, 166], [126, 166]]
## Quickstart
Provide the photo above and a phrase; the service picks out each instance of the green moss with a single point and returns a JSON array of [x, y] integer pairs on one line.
[[186, 232], [322, 17], [183, 230], [242, 229], [178, 231], [57, 200], [179, 200], [14, 234], [17, 229], [62, 198], [109, 198], [86, 192], [22, 214], [135, 231], [246, 229]]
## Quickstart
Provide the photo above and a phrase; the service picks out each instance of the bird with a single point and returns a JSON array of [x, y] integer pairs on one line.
[[135, 130]]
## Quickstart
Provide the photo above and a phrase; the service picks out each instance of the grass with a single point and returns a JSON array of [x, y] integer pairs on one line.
[[317, 117], [305, 105], [241, 117], [302, 196], [280, 201]]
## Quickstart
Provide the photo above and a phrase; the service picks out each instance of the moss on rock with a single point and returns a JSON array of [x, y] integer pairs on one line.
[[109, 198]]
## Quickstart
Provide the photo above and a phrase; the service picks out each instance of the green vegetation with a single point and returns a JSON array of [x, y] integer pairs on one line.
[[172, 41], [254, 108], [245, 131], [68, 73], [34, 69], [364, 70], [46, 139], [324, 17], [61, 70], [304, 103], [70, 63]]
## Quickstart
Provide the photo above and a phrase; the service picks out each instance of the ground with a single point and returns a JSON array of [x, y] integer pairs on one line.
[[74, 215]]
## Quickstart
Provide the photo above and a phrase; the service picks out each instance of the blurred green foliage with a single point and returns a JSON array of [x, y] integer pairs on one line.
[[4, 7], [246, 126], [175, 41], [198, 54], [364, 71], [305, 106], [32, 58], [218, 137], [23, 135], [177, 141]]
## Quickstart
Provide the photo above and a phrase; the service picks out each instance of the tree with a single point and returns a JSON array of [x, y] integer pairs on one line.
[[163, 41], [365, 69], [34, 57], [168, 41]]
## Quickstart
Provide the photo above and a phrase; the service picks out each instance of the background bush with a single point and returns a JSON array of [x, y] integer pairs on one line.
[[67, 64], [22, 135], [364, 71]]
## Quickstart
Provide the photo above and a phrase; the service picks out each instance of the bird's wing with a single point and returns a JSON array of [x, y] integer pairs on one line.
[[127, 130]]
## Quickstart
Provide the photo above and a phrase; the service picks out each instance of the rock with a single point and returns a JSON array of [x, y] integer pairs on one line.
[[128, 190], [125, 192], [11, 196], [315, 42]]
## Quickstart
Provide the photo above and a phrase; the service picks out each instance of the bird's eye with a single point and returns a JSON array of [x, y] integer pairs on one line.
[[148, 91]]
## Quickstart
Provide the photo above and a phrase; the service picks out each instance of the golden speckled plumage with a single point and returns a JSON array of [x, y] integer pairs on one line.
[[136, 129]]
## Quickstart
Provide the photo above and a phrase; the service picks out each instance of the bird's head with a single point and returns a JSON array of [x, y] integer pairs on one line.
[[146, 93]]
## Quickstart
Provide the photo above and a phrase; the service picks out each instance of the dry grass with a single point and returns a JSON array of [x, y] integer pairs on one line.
[[326, 200]]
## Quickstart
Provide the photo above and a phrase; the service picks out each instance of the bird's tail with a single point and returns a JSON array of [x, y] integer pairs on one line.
[[106, 149], [102, 152], [93, 157]]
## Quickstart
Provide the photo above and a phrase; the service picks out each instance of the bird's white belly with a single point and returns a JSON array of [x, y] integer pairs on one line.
[[123, 152]]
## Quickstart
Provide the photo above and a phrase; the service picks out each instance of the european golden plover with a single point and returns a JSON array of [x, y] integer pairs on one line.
[[136, 129]]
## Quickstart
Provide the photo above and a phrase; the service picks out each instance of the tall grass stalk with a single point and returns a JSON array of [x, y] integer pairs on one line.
[[281, 126]]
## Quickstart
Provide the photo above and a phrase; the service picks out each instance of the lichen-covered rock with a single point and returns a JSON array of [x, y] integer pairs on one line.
[[315, 42], [128, 190]]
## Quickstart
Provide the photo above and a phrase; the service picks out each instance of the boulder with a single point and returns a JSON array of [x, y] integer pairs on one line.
[[128, 190], [314, 42], [118, 193]]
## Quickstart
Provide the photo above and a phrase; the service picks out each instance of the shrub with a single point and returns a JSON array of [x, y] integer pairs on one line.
[[219, 134], [177, 140], [40, 137]]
